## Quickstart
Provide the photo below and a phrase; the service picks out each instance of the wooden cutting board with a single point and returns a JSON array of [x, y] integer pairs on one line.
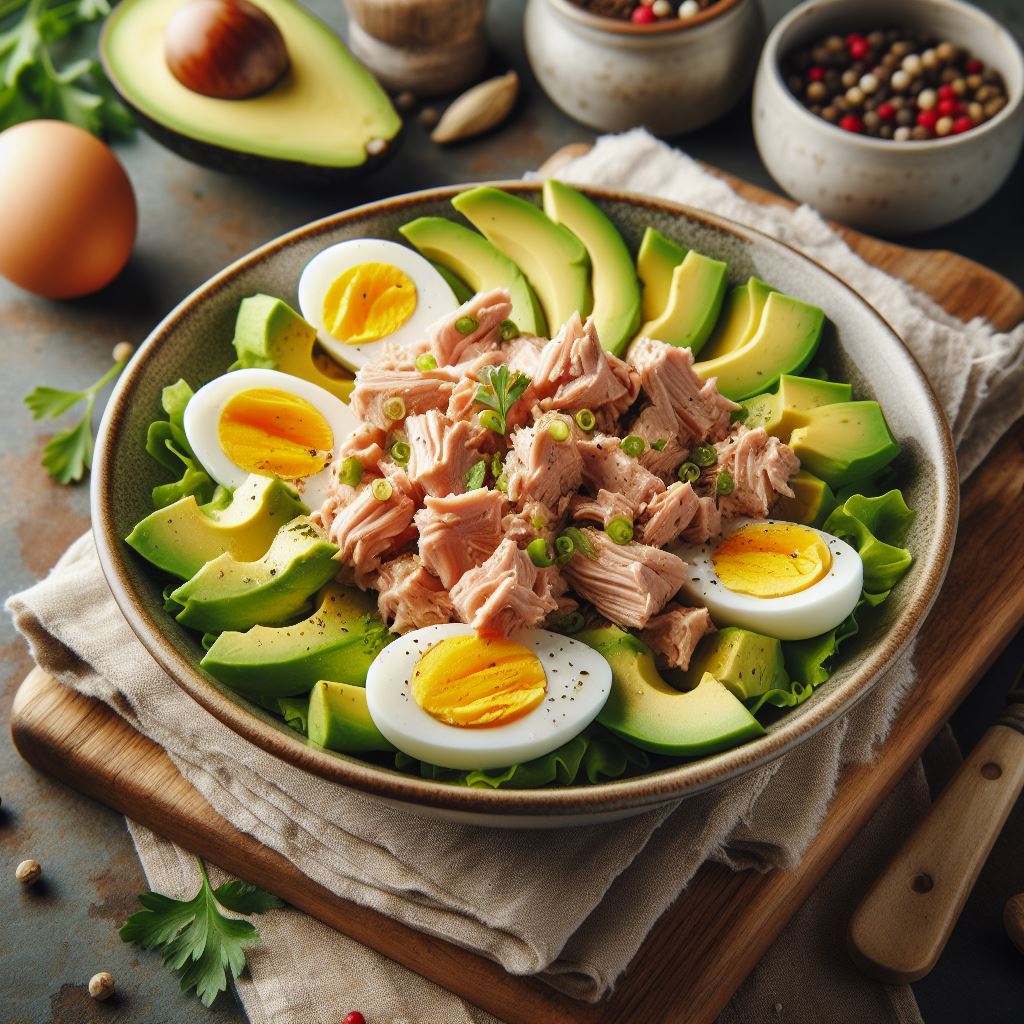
[[705, 945]]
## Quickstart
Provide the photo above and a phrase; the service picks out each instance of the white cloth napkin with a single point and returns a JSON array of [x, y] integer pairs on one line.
[[575, 904]]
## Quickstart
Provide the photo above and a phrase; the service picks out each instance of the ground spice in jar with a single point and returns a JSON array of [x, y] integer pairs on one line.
[[894, 84], [645, 12]]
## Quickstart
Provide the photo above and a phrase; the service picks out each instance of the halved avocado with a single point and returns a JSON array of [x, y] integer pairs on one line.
[[325, 121], [694, 302], [657, 258]]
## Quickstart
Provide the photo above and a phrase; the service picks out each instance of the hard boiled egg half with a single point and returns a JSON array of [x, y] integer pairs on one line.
[[776, 578], [269, 423], [446, 696], [366, 292]]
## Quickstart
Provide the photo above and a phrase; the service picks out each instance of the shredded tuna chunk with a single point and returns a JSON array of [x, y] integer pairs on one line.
[[668, 380], [419, 391], [706, 523], [627, 583], [602, 509], [668, 515], [441, 452], [366, 443], [506, 593], [449, 345], [539, 468], [659, 427], [761, 466], [574, 372], [607, 467], [535, 520], [676, 632], [459, 531], [523, 352], [410, 597]]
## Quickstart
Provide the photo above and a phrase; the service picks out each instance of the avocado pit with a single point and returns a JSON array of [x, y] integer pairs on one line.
[[225, 49]]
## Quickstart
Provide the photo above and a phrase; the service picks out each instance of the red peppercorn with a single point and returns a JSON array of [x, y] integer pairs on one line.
[[853, 36], [974, 66], [354, 1017], [946, 108], [851, 123], [886, 111], [928, 118], [642, 15], [858, 48], [947, 92], [962, 124], [961, 107], [815, 74]]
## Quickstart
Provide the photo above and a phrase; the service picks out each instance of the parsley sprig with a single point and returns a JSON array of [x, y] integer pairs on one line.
[[198, 941], [69, 454], [32, 86], [499, 391]]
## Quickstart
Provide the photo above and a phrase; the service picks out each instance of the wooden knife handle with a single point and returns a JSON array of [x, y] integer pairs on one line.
[[900, 929]]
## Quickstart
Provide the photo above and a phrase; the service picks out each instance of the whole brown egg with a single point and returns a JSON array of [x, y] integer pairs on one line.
[[67, 210]]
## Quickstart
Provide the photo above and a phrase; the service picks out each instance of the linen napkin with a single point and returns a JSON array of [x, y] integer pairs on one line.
[[574, 904]]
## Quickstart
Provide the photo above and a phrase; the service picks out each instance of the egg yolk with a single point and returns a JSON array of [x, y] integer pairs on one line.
[[273, 433], [472, 681], [368, 302], [771, 560]]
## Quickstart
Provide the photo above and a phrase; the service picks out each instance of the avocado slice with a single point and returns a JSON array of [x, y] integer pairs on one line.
[[811, 504], [327, 119], [338, 641], [183, 537], [645, 710], [551, 257], [231, 594], [616, 309], [270, 335], [657, 258], [845, 442], [785, 342], [476, 261], [339, 719], [461, 290], [746, 663], [740, 316], [781, 412], [694, 302]]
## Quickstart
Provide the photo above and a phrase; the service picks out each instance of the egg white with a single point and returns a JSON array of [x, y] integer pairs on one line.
[[434, 299], [819, 608], [203, 412], [572, 702]]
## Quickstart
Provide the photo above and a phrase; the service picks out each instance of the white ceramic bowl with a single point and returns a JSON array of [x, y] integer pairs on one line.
[[671, 76], [880, 185]]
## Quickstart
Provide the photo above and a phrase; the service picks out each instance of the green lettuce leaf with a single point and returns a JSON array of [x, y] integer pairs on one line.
[[782, 697]]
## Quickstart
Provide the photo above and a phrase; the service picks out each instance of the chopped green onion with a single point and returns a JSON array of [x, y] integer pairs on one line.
[[465, 325], [350, 471], [559, 429], [564, 549], [572, 623], [492, 421], [394, 408], [508, 329], [475, 475], [633, 445], [688, 472], [580, 541], [704, 455], [724, 484], [586, 420], [540, 553], [502, 483], [400, 452], [496, 464], [537, 523], [620, 530], [739, 415], [382, 489], [426, 362], [659, 445]]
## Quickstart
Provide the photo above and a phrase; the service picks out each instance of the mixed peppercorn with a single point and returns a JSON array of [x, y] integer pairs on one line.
[[645, 12], [895, 84]]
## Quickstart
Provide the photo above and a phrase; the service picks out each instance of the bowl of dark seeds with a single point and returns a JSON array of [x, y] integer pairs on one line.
[[896, 116]]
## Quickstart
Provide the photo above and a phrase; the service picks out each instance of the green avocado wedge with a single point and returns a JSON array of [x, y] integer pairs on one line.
[[552, 258], [229, 594], [183, 537], [645, 710], [657, 258], [339, 719], [616, 289], [782, 411], [748, 664], [338, 641], [477, 264], [740, 316], [811, 504]]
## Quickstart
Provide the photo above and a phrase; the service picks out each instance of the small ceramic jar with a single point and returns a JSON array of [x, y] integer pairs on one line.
[[670, 76], [880, 185]]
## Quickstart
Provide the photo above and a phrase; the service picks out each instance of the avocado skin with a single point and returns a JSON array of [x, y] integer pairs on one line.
[[339, 719], [746, 663], [643, 709], [338, 642]]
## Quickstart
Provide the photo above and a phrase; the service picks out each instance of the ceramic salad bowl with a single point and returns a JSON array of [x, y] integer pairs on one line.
[[194, 342]]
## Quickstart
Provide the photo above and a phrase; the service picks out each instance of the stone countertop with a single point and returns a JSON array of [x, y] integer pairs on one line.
[[192, 223]]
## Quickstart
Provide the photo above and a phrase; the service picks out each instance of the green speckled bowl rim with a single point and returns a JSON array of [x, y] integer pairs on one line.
[[586, 802]]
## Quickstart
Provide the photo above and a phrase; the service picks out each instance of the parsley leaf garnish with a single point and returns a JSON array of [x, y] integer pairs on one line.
[[476, 474], [197, 940], [500, 390]]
